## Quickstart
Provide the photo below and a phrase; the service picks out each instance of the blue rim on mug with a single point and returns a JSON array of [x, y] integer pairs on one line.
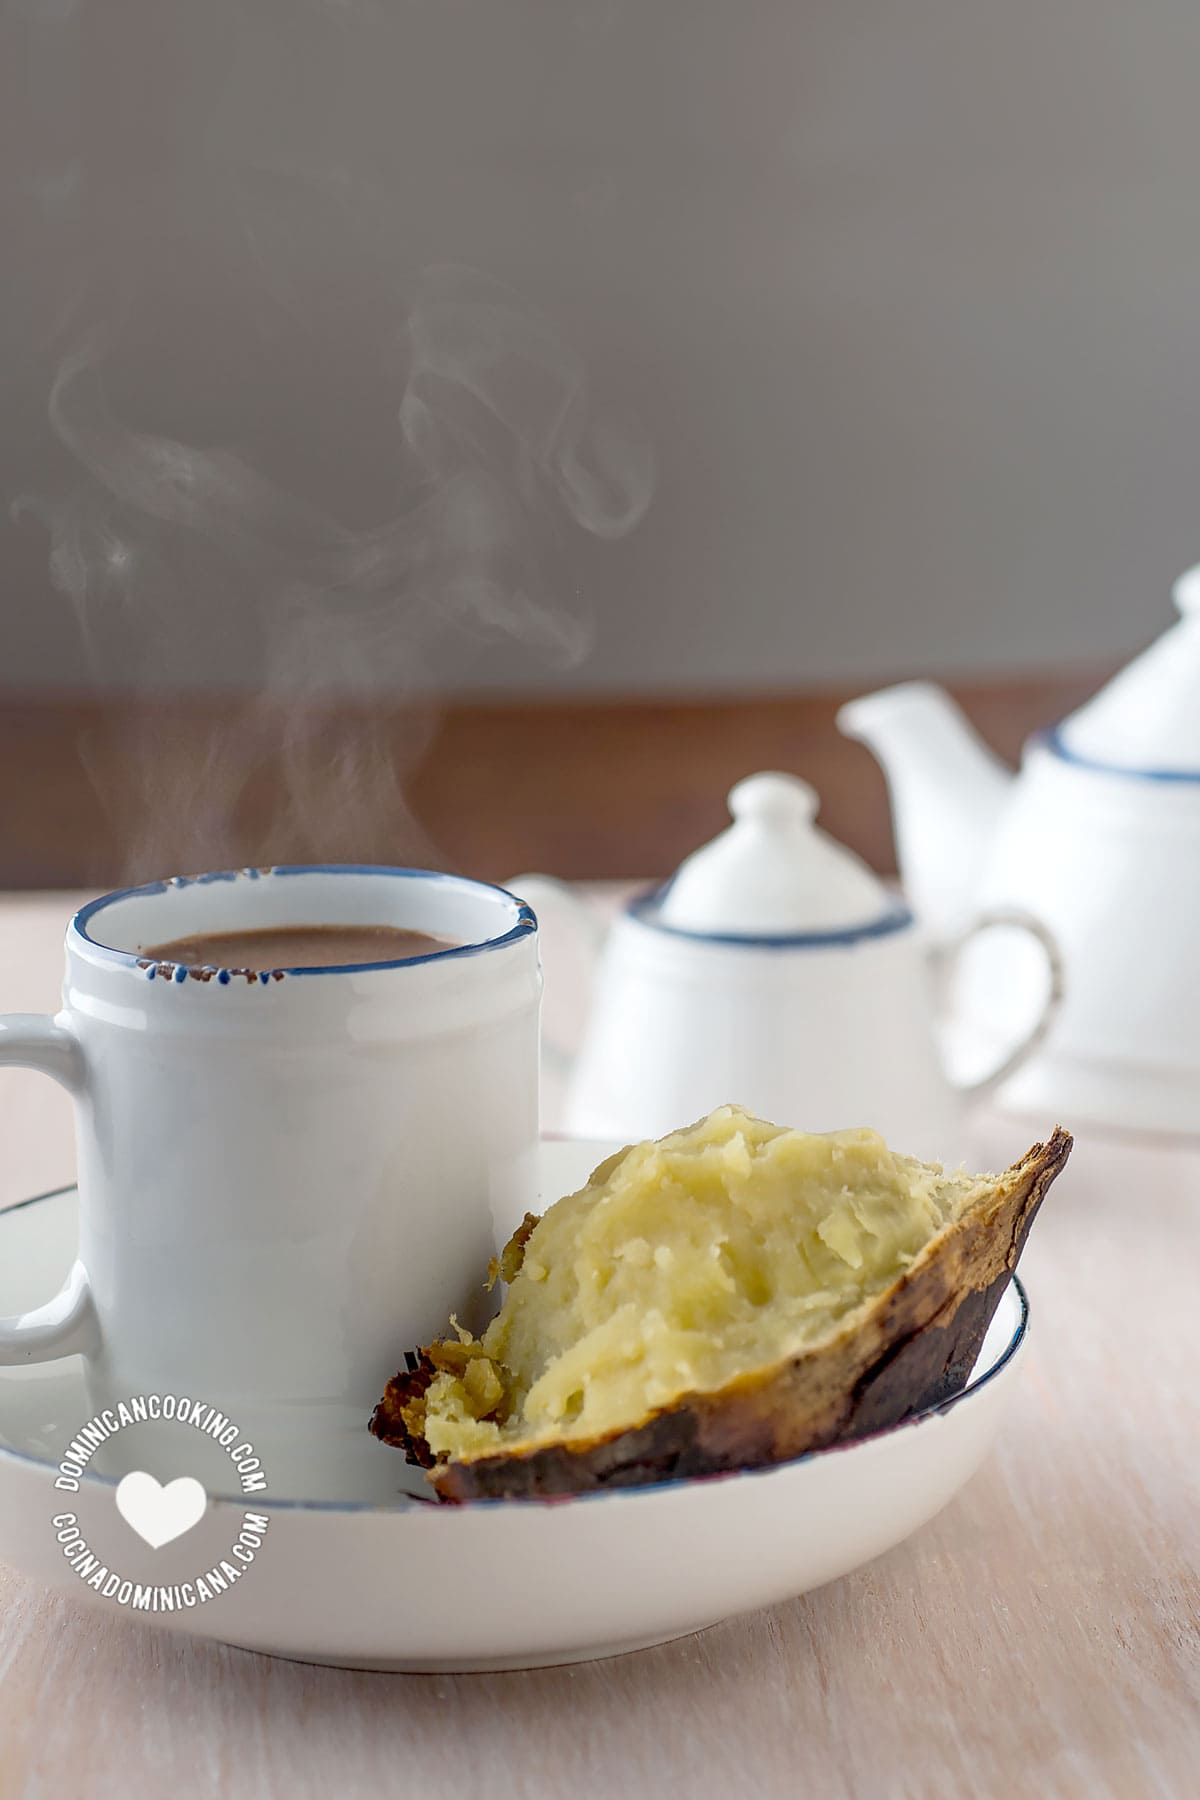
[[526, 922]]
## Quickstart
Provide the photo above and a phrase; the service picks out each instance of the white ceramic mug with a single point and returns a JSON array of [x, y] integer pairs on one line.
[[285, 1182]]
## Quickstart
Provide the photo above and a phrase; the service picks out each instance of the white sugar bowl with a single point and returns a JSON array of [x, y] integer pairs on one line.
[[776, 970]]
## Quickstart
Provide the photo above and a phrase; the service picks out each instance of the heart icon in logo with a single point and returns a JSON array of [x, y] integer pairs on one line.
[[160, 1514]]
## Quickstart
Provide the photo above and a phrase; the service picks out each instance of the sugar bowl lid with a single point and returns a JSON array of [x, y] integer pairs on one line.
[[1146, 721], [773, 872]]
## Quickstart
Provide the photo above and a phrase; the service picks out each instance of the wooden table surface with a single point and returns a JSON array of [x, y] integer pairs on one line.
[[110, 790], [1042, 1637]]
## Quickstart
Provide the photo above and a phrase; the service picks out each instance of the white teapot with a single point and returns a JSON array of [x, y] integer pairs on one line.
[[774, 969], [1099, 833]]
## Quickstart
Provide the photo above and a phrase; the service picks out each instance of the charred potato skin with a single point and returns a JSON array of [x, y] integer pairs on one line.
[[913, 1351], [402, 1402]]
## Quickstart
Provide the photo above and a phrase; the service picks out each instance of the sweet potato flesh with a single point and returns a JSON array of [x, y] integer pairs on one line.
[[681, 1265]]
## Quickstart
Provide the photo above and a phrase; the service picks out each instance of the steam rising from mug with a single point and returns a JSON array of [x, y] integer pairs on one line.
[[500, 451]]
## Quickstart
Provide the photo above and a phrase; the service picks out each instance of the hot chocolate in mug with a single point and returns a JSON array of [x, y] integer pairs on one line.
[[286, 1179]]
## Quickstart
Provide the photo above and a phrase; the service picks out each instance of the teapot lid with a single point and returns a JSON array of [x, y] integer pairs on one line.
[[1147, 719], [772, 873]]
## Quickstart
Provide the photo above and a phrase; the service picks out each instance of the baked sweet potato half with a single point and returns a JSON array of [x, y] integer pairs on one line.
[[727, 1297]]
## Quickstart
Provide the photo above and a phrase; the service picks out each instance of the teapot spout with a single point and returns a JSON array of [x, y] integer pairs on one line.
[[947, 791]]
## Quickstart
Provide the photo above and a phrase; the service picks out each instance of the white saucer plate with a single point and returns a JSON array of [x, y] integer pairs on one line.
[[494, 1585]]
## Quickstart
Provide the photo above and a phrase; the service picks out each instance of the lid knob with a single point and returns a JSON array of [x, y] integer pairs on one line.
[[774, 797], [1186, 593]]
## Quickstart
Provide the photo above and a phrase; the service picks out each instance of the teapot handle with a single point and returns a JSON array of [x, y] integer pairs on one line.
[[546, 894], [1014, 919]]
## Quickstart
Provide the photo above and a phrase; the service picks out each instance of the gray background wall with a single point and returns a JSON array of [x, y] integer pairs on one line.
[[906, 301]]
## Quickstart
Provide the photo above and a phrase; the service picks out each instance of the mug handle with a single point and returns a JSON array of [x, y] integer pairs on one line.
[[67, 1323], [1017, 920], [546, 894]]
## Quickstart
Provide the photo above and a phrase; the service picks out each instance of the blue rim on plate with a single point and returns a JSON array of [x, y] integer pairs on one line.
[[405, 1502], [131, 959]]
